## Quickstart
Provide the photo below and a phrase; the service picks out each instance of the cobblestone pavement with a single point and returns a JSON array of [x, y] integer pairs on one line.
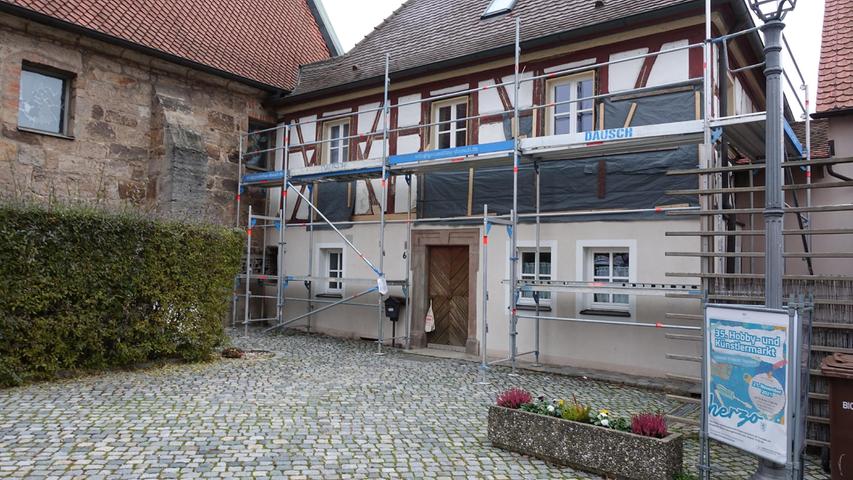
[[317, 408]]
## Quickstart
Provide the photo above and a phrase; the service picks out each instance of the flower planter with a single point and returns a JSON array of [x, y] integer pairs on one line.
[[600, 450]]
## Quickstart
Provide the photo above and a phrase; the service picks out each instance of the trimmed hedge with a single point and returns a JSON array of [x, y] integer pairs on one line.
[[85, 289]]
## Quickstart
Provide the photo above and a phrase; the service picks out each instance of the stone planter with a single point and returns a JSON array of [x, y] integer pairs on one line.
[[586, 447]]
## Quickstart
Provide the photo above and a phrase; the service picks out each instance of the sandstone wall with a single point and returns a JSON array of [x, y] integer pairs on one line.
[[143, 132]]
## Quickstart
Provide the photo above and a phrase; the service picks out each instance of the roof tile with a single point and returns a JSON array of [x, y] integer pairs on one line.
[[422, 32], [260, 40], [835, 77]]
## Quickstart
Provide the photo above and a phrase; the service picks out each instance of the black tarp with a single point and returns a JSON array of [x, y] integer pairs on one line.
[[632, 181], [333, 201]]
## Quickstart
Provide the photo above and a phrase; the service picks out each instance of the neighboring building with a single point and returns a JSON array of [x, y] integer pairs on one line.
[[835, 111], [140, 102], [450, 48]]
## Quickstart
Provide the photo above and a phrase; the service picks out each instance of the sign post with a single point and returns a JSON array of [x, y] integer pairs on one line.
[[752, 379]]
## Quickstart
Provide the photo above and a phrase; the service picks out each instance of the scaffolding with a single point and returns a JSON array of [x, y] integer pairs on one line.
[[742, 132]]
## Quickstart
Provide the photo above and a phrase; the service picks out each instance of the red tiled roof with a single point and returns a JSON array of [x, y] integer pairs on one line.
[[261, 40], [835, 81]]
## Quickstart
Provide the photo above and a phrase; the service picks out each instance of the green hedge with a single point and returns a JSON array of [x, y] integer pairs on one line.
[[85, 289]]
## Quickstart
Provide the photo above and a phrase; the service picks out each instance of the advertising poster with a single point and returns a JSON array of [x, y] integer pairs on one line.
[[747, 375]]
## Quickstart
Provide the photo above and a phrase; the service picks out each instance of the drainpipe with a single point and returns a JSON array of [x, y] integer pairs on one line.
[[731, 220]]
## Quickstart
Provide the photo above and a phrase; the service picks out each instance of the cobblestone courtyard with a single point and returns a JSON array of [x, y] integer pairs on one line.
[[317, 408]]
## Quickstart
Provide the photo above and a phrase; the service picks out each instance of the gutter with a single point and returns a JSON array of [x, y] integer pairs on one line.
[[833, 113], [488, 54], [326, 28], [120, 42]]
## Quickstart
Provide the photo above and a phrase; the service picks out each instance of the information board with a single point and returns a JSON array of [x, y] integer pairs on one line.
[[747, 379]]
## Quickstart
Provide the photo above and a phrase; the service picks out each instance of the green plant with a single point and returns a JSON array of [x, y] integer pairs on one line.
[[685, 475], [621, 423], [88, 289], [576, 411], [542, 407]]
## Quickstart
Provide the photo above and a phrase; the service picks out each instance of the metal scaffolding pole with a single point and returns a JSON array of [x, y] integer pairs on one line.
[[384, 183], [484, 321], [282, 211], [513, 254], [310, 283], [409, 263], [707, 243], [537, 263], [248, 273]]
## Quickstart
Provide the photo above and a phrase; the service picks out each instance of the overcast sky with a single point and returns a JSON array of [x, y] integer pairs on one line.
[[353, 20]]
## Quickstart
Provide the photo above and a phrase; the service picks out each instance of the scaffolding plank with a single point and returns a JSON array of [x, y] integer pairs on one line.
[[707, 233], [799, 186], [844, 207], [759, 166], [758, 254], [647, 289], [758, 276]]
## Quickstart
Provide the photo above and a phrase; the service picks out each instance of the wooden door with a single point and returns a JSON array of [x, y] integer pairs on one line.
[[448, 290]]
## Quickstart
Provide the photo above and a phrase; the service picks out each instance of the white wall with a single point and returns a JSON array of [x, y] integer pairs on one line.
[[626, 349]]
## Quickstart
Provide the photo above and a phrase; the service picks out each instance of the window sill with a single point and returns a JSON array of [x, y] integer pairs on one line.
[[532, 308], [606, 313], [47, 134], [329, 295]]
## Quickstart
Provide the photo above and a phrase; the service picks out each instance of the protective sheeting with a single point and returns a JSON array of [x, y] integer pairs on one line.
[[333, 199], [634, 181], [650, 110], [631, 181]]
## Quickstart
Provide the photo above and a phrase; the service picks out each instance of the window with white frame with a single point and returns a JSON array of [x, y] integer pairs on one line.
[[567, 115], [44, 103], [333, 269], [337, 141], [529, 264], [610, 265], [451, 128]]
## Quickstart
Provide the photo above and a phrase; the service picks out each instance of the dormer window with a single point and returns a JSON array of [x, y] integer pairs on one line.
[[497, 7]]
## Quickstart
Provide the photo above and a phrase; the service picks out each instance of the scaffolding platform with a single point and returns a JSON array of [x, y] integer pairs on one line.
[[625, 288], [744, 132]]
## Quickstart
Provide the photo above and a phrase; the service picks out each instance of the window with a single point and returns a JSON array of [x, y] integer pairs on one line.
[[337, 145], [450, 131], [528, 272], [568, 116], [496, 7], [43, 104], [610, 266], [260, 146], [333, 264], [607, 260]]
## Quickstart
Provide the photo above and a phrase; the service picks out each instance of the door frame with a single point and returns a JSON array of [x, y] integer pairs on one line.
[[421, 240]]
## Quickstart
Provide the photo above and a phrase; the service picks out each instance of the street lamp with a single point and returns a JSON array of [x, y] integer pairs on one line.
[[770, 10], [772, 13]]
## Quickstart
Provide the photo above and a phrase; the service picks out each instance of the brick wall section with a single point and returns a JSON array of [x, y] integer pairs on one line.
[[146, 133]]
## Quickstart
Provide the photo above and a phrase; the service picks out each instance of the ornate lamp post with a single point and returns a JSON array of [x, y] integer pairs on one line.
[[772, 13]]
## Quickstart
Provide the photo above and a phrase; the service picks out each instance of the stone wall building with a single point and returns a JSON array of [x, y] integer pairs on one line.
[[126, 103]]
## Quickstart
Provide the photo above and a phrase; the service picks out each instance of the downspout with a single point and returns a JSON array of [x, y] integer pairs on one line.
[[829, 169], [731, 220]]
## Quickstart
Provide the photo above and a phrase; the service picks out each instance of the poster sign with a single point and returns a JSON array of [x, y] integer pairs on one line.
[[747, 379]]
